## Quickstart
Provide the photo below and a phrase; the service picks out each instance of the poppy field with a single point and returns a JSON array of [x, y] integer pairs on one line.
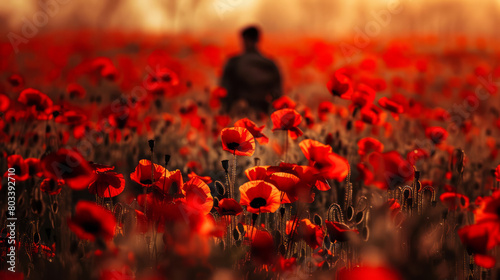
[[118, 162]]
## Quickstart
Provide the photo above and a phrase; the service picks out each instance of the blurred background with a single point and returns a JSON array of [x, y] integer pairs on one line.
[[331, 18]]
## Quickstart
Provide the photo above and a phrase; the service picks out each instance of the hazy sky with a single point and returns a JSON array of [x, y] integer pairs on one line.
[[325, 17]]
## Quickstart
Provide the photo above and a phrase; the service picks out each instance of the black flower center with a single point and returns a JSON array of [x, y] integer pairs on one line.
[[233, 145], [17, 170], [92, 227], [258, 202], [146, 182]]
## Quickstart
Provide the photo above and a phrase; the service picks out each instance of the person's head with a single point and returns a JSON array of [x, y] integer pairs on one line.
[[250, 37]]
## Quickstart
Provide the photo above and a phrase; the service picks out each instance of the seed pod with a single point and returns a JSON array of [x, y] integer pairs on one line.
[[318, 220], [219, 186]]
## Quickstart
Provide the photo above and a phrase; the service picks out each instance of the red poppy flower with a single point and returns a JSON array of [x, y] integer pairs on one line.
[[238, 140], [339, 232], [363, 95], [454, 200], [162, 82], [371, 115], [16, 80], [320, 156], [312, 234], [229, 206], [366, 272], [36, 99], [256, 173], [478, 240], [488, 209], [436, 134], [259, 197], [283, 181], [416, 155], [198, 195], [283, 102], [325, 108], [340, 85], [91, 222], [75, 90], [4, 102], [391, 105], [287, 119], [21, 168], [51, 186], [70, 166], [367, 145], [497, 173], [171, 184], [254, 130], [389, 170], [107, 184], [143, 171], [262, 247]]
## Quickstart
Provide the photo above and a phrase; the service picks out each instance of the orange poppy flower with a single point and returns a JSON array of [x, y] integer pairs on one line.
[[238, 140], [142, 173], [198, 195], [170, 185], [287, 119], [260, 197], [320, 156]]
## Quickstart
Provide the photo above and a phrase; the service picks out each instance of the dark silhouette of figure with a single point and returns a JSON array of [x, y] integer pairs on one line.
[[252, 81]]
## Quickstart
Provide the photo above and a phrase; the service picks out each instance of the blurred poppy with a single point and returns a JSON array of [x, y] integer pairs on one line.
[[144, 173], [320, 156], [91, 222], [478, 240], [454, 200], [259, 197], [107, 184], [388, 170], [198, 195], [367, 145], [312, 234], [363, 95], [70, 166], [4, 102], [391, 105], [262, 247], [35, 99], [21, 168], [75, 90], [51, 186], [339, 232], [205, 179], [253, 129], [238, 140], [340, 85], [497, 173], [436, 134], [488, 209], [416, 155], [366, 272], [287, 119], [229, 206], [284, 102]]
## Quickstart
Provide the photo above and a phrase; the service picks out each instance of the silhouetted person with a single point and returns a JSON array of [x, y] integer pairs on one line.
[[252, 81]]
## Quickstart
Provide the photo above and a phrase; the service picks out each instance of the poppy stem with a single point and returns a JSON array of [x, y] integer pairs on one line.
[[233, 187]]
